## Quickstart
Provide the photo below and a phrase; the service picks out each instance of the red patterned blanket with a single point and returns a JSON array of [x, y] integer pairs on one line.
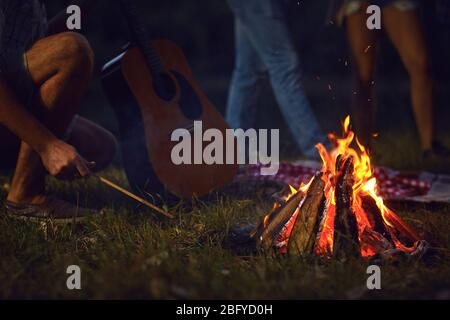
[[392, 185]]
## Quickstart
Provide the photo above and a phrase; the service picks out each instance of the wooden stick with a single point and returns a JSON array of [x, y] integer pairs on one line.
[[374, 216], [346, 240], [266, 233], [133, 196], [302, 237]]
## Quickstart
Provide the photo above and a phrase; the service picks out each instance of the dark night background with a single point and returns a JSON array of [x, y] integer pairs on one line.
[[129, 252], [204, 30]]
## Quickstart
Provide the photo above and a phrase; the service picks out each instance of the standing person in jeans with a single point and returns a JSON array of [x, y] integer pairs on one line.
[[402, 26], [264, 44]]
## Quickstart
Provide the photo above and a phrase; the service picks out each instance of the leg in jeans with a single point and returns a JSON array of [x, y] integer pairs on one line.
[[363, 45], [267, 31], [246, 82]]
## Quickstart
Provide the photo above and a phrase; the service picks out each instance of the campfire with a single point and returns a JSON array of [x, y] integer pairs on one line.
[[338, 212]]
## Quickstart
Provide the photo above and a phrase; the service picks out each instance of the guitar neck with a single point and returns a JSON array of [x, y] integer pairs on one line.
[[141, 38]]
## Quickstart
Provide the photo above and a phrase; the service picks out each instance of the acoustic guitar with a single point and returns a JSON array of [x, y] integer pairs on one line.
[[152, 91]]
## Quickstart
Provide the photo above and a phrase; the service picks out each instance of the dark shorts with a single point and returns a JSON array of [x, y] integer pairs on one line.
[[15, 71], [354, 6]]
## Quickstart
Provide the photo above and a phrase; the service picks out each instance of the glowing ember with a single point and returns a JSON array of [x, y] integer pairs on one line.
[[378, 228]]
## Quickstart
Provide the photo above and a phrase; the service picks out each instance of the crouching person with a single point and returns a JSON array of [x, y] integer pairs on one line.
[[43, 75]]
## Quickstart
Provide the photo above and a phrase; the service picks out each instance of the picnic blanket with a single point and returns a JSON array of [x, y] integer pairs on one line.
[[392, 185]]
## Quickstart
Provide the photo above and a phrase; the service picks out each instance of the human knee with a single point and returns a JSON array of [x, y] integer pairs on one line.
[[76, 52]]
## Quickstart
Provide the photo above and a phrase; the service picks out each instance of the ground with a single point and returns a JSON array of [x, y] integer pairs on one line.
[[131, 253]]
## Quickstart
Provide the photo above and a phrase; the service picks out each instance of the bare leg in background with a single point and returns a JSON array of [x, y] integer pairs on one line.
[[405, 32], [363, 44]]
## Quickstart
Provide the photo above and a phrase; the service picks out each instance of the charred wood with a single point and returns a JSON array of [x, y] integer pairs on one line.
[[268, 230], [303, 237], [345, 225], [374, 216], [373, 241]]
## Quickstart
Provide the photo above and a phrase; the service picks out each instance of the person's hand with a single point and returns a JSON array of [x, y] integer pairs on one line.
[[63, 161]]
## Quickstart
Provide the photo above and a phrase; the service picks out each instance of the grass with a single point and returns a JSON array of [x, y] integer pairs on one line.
[[132, 253]]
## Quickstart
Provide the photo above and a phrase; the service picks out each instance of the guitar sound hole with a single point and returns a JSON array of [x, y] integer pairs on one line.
[[164, 86], [189, 102]]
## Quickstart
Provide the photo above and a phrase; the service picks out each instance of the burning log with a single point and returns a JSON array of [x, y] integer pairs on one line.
[[403, 229], [303, 236], [345, 224], [374, 241], [337, 213], [272, 225], [375, 217], [322, 245], [419, 250]]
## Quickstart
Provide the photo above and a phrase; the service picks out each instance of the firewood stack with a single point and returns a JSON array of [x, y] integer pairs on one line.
[[295, 226], [337, 213]]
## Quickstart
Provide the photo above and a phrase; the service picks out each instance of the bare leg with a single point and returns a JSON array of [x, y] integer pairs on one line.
[[60, 66], [91, 141], [363, 45], [9, 148], [404, 30]]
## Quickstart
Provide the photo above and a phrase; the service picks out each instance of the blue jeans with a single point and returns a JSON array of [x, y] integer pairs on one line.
[[263, 44]]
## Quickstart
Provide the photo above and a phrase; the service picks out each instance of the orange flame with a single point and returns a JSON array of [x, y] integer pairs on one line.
[[365, 184]]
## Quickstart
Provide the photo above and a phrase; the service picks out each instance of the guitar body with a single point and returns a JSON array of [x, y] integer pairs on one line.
[[147, 121]]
